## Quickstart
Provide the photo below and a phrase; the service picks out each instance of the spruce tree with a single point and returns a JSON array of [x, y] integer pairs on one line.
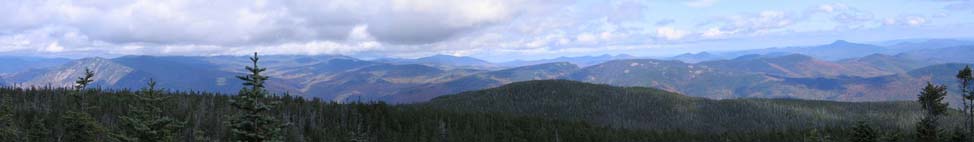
[[80, 126], [254, 124], [862, 132], [965, 78], [145, 121], [931, 99]]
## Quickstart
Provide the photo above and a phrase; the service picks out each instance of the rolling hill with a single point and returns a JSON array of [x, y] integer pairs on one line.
[[653, 109], [796, 65]]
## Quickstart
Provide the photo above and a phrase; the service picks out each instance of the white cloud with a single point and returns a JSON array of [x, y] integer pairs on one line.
[[714, 32], [832, 7], [913, 20], [700, 3], [53, 47], [360, 33], [231, 22], [586, 38], [754, 23], [905, 20], [670, 33], [401, 28]]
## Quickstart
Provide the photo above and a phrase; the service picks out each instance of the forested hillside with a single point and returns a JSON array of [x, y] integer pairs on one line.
[[38, 115], [652, 109]]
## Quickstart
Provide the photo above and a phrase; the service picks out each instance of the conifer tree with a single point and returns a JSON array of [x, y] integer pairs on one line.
[[862, 132], [80, 126], [965, 78], [145, 121], [254, 124], [931, 99]]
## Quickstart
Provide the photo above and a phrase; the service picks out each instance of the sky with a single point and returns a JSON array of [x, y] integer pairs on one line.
[[494, 30]]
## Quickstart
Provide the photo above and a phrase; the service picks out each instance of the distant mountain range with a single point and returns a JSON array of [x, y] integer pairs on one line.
[[583, 61], [863, 73], [445, 62], [17, 64], [842, 49]]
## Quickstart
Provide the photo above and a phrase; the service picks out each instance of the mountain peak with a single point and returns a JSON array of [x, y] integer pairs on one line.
[[625, 56], [797, 57], [838, 42], [91, 60], [443, 56]]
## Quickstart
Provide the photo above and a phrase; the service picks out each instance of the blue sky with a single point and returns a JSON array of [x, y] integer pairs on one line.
[[496, 30]]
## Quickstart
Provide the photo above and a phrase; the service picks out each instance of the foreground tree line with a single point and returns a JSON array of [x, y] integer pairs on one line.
[[85, 114]]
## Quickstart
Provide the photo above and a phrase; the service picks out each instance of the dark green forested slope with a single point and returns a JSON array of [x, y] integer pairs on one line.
[[653, 109], [39, 115], [549, 110]]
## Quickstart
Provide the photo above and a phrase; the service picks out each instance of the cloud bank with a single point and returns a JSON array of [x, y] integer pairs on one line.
[[410, 28]]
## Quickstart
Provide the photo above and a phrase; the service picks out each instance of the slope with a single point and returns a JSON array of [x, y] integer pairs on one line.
[[795, 65], [647, 108]]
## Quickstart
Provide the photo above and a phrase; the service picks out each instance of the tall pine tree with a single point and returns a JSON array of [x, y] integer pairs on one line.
[[965, 78], [79, 125], [931, 99], [254, 124], [145, 122]]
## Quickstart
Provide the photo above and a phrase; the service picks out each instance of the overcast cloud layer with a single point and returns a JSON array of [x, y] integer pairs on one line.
[[492, 29]]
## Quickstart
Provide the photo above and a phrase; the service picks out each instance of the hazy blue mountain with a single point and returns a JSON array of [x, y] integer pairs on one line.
[[899, 46], [795, 65], [956, 54], [340, 78], [487, 80], [715, 80], [676, 76], [887, 63], [175, 72], [19, 64], [582, 61], [180, 73], [697, 57], [837, 50], [107, 73], [330, 77], [445, 62]]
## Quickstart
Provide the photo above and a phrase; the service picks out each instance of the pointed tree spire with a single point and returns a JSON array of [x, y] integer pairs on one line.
[[79, 125], [254, 124], [84, 80], [145, 121], [931, 100]]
